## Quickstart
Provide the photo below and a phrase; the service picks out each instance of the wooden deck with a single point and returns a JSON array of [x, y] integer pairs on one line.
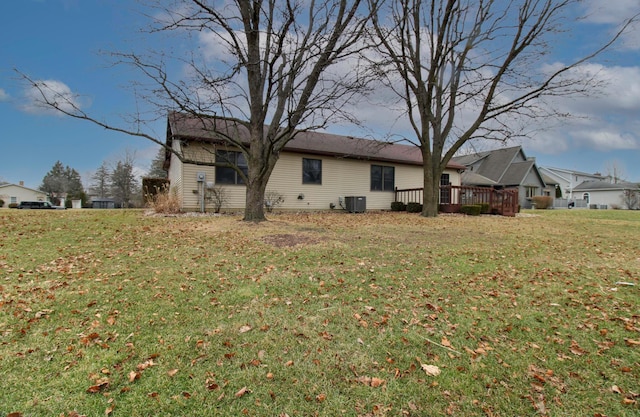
[[503, 202]]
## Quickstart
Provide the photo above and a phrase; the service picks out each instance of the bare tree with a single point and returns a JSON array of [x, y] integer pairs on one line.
[[270, 76], [615, 171], [631, 198], [466, 69]]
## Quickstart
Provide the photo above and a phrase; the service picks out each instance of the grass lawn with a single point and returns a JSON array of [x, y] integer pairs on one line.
[[118, 313]]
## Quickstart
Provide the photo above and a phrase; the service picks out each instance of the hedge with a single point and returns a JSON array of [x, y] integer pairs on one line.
[[398, 206], [414, 207], [471, 209]]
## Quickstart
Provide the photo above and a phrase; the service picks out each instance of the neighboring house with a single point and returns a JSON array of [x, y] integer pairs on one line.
[[503, 168], [315, 171], [603, 194], [14, 194], [103, 203], [568, 179]]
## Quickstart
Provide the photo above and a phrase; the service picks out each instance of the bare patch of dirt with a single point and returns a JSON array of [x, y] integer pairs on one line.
[[289, 240]]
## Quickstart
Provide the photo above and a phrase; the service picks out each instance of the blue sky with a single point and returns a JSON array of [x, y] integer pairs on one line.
[[67, 42]]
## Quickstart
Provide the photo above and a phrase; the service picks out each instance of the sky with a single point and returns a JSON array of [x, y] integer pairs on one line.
[[67, 43]]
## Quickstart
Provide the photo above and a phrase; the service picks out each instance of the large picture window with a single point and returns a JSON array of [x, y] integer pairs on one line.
[[228, 175], [382, 178], [311, 171]]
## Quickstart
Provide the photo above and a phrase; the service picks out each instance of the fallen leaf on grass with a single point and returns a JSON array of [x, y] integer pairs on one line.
[[576, 349], [430, 370], [133, 375], [445, 342], [98, 387], [172, 372], [371, 382], [245, 328], [630, 342], [242, 392]]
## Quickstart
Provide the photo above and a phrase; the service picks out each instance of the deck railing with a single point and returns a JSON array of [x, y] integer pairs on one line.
[[453, 197]]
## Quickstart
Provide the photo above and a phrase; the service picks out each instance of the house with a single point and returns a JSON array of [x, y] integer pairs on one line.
[[603, 194], [315, 171], [103, 203], [568, 179], [503, 168], [15, 194]]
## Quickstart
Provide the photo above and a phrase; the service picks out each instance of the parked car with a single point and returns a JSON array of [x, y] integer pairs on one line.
[[41, 205]]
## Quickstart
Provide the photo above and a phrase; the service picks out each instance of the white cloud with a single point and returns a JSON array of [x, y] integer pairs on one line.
[[615, 13], [56, 93], [610, 12], [4, 96], [606, 139]]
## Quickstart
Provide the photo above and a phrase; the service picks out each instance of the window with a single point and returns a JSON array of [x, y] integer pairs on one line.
[[311, 171], [445, 193], [585, 197], [14, 200], [228, 175], [382, 178], [531, 191]]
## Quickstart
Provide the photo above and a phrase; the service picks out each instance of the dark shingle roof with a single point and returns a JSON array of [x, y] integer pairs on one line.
[[516, 173], [498, 166], [604, 185], [317, 143]]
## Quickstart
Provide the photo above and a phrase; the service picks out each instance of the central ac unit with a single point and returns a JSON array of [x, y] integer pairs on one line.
[[355, 204]]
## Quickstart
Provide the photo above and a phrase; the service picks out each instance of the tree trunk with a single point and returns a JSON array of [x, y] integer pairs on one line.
[[261, 161], [430, 195], [431, 183], [254, 207]]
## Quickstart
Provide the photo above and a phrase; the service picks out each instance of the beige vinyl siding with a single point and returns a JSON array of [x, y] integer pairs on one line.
[[19, 194], [340, 178], [175, 174]]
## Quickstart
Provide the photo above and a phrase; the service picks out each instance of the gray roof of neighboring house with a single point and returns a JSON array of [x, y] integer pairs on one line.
[[498, 166], [605, 186], [185, 127], [472, 178], [548, 180]]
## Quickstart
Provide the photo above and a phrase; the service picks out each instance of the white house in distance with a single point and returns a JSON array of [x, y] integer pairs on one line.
[[15, 194], [568, 179], [592, 190], [603, 194], [315, 171]]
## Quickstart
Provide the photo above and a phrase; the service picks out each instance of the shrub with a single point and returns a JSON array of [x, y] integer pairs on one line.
[[166, 202], [414, 207], [217, 196], [1, 202], [13, 205], [542, 202], [485, 208], [272, 199], [471, 209], [398, 206], [152, 187]]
